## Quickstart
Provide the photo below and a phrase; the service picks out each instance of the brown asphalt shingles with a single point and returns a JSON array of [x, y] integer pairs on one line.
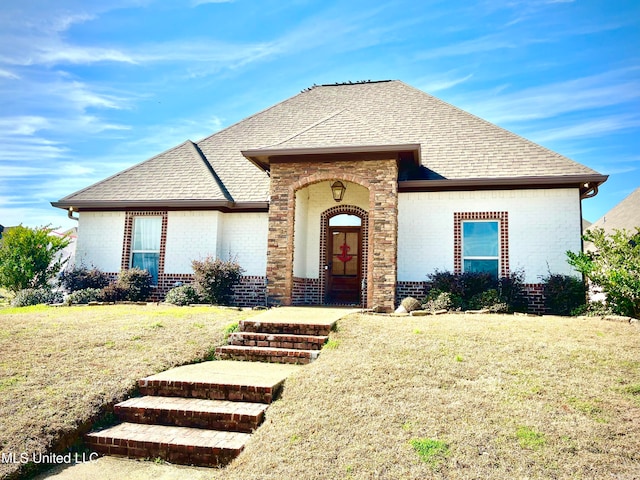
[[454, 145]]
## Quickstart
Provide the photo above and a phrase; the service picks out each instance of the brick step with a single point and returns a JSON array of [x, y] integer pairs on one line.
[[192, 412], [209, 390], [182, 445], [257, 326], [266, 354], [278, 340]]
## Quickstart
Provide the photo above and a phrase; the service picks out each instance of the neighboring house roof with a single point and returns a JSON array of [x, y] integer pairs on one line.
[[625, 215], [453, 148]]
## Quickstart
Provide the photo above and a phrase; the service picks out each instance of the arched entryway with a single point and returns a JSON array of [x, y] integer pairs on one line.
[[344, 240]]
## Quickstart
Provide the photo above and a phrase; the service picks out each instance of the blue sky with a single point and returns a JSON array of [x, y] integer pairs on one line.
[[88, 88]]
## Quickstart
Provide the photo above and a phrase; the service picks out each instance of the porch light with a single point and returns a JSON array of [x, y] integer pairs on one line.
[[337, 190]]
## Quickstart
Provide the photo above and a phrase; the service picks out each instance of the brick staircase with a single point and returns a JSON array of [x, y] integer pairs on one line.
[[186, 416], [203, 414], [276, 342]]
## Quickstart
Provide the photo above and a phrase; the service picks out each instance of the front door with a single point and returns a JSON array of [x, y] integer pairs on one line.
[[344, 265]]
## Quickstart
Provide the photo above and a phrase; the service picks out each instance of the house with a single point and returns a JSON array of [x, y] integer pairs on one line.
[[624, 216], [345, 193]]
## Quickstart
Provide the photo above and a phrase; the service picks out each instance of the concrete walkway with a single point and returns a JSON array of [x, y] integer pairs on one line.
[[229, 372]]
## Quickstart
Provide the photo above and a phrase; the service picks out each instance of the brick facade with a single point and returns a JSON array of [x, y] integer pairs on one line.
[[379, 176]]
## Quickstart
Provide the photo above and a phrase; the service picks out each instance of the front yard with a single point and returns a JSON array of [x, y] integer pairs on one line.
[[487, 396], [451, 396], [59, 366]]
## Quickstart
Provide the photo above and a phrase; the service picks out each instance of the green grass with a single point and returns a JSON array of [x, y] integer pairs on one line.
[[529, 438], [432, 452]]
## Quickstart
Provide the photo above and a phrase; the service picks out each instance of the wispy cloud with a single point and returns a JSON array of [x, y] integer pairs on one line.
[[8, 74], [545, 101], [591, 128], [444, 82]]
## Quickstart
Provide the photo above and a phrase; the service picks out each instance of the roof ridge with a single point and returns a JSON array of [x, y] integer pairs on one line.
[[306, 129], [122, 172], [201, 156]]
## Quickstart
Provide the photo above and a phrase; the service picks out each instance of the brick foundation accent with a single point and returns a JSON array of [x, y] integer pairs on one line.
[[533, 291], [250, 292], [535, 296], [410, 289], [378, 173], [306, 291]]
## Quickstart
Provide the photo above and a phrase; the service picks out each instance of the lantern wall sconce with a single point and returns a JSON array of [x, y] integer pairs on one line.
[[337, 190]]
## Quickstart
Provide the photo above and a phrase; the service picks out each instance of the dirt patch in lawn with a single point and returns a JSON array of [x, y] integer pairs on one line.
[[60, 366], [458, 396]]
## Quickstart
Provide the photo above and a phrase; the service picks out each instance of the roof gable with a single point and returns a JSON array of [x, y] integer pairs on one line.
[[179, 173]]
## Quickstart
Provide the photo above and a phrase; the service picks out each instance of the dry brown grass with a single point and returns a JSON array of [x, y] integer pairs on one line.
[[59, 366], [511, 397]]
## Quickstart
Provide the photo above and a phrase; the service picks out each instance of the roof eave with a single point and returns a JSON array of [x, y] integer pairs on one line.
[[177, 204], [587, 183], [260, 157]]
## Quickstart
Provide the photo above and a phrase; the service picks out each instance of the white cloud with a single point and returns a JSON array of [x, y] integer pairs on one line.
[[591, 128], [550, 100], [8, 74], [443, 83]]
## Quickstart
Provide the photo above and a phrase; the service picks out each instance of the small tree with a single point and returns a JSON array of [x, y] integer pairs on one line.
[[215, 279], [29, 257], [614, 266]]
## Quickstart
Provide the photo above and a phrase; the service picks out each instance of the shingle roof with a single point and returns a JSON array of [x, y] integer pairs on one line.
[[454, 144], [625, 215]]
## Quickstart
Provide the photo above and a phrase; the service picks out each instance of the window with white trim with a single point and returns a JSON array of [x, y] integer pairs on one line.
[[481, 247], [145, 245]]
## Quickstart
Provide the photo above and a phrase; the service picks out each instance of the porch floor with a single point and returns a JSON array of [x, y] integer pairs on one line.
[[304, 315]]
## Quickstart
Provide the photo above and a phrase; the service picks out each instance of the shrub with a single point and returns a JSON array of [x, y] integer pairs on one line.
[[183, 295], [614, 266], [84, 296], [81, 278], [30, 257], [438, 300], [563, 294], [114, 292], [490, 300], [35, 296], [468, 291], [410, 304], [512, 292], [215, 279], [136, 282]]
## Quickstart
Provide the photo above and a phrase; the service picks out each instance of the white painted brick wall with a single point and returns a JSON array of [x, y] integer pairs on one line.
[[100, 238], [191, 235], [543, 225], [311, 201], [244, 236]]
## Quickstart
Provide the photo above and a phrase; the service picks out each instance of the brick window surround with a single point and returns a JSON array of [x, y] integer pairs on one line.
[[503, 237], [128, 238]]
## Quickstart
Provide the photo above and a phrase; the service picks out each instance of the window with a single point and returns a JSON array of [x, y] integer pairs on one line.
[[145, 246], [480, 250]]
